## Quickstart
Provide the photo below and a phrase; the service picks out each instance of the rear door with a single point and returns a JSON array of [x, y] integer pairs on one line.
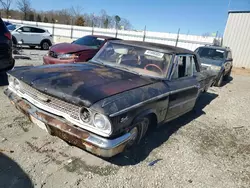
[[184, 87]]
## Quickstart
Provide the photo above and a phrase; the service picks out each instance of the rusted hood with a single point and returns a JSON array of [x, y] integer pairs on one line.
[[69, 48], [81, 84]]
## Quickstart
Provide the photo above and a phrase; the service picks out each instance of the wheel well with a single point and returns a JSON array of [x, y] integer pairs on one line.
[[152, 116], [46, 40]]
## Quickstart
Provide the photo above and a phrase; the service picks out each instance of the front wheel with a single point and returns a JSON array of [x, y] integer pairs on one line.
[[227, 76], [140, 128], [219, 82]]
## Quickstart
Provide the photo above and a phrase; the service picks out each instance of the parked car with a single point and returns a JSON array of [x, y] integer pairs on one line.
[[81, 50], [7, 23], [218, 59], [108, 104], [6, 59], [31, 36]]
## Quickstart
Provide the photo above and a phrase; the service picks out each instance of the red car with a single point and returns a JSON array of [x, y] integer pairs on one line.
[[83, 49]]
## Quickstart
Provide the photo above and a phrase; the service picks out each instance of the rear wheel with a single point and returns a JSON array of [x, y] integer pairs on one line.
[[45, 45]]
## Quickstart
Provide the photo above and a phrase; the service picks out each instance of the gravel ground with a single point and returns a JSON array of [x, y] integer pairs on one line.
[[208, 147]]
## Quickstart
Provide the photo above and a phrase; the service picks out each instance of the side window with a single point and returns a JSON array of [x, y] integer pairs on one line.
[[229, 55], [193, 59], [184, 66], [37, 30], [26, 29]]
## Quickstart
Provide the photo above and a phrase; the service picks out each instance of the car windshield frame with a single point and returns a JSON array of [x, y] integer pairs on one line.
[[148, 55], [211, 56], [86, 41]]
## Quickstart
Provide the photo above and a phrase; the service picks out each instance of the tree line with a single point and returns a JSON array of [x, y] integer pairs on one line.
[[70, 16]]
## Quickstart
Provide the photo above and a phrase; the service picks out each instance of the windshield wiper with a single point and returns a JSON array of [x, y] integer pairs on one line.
[[126, 69]]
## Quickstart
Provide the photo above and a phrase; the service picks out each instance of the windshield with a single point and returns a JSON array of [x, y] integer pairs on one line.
[[134, 59], [11, 27], [93, 42], [211, 53]]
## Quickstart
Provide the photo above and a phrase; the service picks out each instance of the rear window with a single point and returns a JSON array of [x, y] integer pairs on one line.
[[3, 26]]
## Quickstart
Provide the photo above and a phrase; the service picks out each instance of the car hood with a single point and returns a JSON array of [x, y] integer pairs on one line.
[[208, 61], [80, 84], [63, 48]]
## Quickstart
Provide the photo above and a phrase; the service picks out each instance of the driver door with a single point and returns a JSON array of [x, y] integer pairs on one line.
[[184, 87]]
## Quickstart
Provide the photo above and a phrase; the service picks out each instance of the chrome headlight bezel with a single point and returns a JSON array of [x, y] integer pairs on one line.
[[67, 56], [94, 119]]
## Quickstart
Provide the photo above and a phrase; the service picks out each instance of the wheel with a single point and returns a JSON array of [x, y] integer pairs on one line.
[[140, 128], [45, 45], [227, 76], [32, 47], [219, 82]]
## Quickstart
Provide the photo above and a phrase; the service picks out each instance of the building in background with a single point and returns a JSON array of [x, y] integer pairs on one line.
[[237, 37]]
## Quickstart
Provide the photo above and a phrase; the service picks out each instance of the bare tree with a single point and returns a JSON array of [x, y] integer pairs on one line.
[[24, 6], [76, 11], [6, 6]]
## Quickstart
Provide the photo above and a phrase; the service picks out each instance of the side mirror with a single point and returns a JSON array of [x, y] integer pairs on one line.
[[19, 31]]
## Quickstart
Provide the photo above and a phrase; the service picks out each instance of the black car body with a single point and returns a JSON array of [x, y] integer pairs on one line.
[[7, 23], [6, 60], [218, 59], [110, 102]]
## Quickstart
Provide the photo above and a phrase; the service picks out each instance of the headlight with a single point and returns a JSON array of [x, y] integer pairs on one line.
[[216, 68], [85, 115], [16, 84], [67, 56], [101, 122]]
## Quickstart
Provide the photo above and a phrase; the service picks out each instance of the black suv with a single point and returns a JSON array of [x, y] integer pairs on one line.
[[218, 59], [6, 59]]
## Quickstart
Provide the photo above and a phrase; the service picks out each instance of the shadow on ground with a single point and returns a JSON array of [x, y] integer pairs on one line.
[[225, 82], [159, 136], [12, 175], [3, 79]]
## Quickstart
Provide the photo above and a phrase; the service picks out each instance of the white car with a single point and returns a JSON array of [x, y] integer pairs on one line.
[[31, 36]]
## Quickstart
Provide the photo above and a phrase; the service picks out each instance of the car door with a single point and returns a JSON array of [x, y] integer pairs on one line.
[[37, 35], [184, 87], [24, 35]]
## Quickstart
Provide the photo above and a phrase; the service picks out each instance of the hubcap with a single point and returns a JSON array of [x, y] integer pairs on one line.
[[45, 46]]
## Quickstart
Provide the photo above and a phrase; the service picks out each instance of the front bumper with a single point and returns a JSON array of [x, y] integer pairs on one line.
[[57, 126], [47, 60]]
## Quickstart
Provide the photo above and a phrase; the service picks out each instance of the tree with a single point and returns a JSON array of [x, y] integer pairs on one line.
[[106, 23], [31, 16], [80, 21], [76, 11], [6, 6], [45, 20], [53, 20], [38, 18], [24, 6]]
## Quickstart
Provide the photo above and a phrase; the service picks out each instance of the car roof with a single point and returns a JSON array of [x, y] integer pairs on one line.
[[157, 47], [104, 37], [216, 47]]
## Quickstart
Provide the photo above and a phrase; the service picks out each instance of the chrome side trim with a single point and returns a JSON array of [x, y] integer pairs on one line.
[[149, 100], [184, 102]]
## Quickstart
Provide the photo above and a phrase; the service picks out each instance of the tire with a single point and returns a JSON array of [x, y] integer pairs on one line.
[[45, 45], [32, 47], [227, 76], [140, 128], [219, 82]]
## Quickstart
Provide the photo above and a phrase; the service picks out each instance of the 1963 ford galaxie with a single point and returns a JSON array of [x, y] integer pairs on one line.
[[109, 103]]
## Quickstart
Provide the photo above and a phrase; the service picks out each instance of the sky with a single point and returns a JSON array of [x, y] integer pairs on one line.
[[191, 16]]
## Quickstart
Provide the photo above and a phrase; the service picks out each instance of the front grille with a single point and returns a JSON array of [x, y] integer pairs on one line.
[[52, 102], [53, 54]]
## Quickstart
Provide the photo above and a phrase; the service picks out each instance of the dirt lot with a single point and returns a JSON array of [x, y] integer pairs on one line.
[[209, 147]]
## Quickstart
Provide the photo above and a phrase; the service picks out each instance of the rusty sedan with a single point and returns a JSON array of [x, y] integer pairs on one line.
[[109, 103]]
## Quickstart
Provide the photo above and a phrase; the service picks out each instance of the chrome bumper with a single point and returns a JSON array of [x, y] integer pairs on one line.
[[63, 129]]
